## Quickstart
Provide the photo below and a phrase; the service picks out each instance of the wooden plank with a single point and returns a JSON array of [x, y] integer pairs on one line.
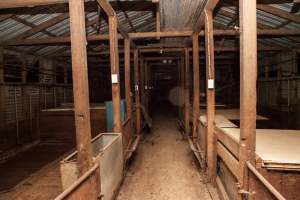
[[115, 74], [209, 5], [248, 77], [137, 92], [222, 191], [108, 9], [231, 162], [28, 3], [143, 35], [227, 141], [127, 78], [24, 69], [210, 97], [196, 79], [187, 92], [182, 70], [1, 64], [158, 19], [80, 85], [279, 12]]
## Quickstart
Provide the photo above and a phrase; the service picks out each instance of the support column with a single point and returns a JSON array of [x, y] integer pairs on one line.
[[127, 77], [182, 70], [1, 65], [142, 80], [196, 72], [137, 92], [187, 92], [24, 69], [248, 76], [80, 85], [2, 95], [210, 97], [115, 75]]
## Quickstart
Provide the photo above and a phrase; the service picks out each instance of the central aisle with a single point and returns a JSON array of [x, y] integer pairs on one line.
[[164, 167]]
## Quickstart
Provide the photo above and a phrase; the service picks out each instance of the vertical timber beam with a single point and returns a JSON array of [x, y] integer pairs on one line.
[[24, 69], [158, 18], [182, 69], [114, 62], [210, 97], [248, 77], [80, 85], [142, 79], [127, 77], [187, 92], [137, 92], [196, 72], [2, 97], [1, 65]]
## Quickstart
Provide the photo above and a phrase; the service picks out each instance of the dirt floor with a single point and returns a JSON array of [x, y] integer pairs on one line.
[[33, 174], [164, 167]]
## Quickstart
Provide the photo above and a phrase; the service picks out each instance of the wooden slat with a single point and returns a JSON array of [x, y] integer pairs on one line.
[[210, 97], [135, 36], [28, 3], [80, 85], [1, 65], [210, 5], [231, 162], [137, 91], [228, 142], [280, 13], [114, 62], [187, 92], [248, 77], [127, 77], [196, 79]]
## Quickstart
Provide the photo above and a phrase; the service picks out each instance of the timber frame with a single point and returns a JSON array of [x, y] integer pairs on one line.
[[253, 36]]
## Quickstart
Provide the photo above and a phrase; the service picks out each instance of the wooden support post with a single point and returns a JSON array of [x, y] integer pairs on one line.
[[158, 18], [182, 69], [137, 91], [248, 76], [115, 75], [24, 69], [142, 79], [187, 92], [80, 85], [2, 95], [210, 97], [196, 72], [127, 77], [146, 75], [1, 65]]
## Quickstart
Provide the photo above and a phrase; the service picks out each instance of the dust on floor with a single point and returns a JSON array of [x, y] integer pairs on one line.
[[164, 167]]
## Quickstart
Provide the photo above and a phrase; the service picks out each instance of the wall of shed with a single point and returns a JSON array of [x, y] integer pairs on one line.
[[279, 81], [20, 103]]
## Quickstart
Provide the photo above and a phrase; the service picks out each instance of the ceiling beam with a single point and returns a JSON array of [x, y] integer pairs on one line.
[[143, 35], [28, 3], [199, 23]]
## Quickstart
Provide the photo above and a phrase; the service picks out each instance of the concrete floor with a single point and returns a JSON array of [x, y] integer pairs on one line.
[[164, 167]]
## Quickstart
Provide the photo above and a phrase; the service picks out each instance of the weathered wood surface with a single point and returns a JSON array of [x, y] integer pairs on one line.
[[80, 84]]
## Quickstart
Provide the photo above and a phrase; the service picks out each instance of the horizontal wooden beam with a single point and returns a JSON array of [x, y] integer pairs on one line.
[[210, 5], [90, 6], [142, 35], [28, 3]]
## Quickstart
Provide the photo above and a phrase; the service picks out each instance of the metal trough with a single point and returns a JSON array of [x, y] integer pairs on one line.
[[108, 153]]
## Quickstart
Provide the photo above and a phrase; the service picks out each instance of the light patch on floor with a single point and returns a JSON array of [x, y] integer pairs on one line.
[[164, 167]]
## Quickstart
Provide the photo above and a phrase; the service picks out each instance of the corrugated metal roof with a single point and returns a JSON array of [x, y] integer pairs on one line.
[[141, 21]]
